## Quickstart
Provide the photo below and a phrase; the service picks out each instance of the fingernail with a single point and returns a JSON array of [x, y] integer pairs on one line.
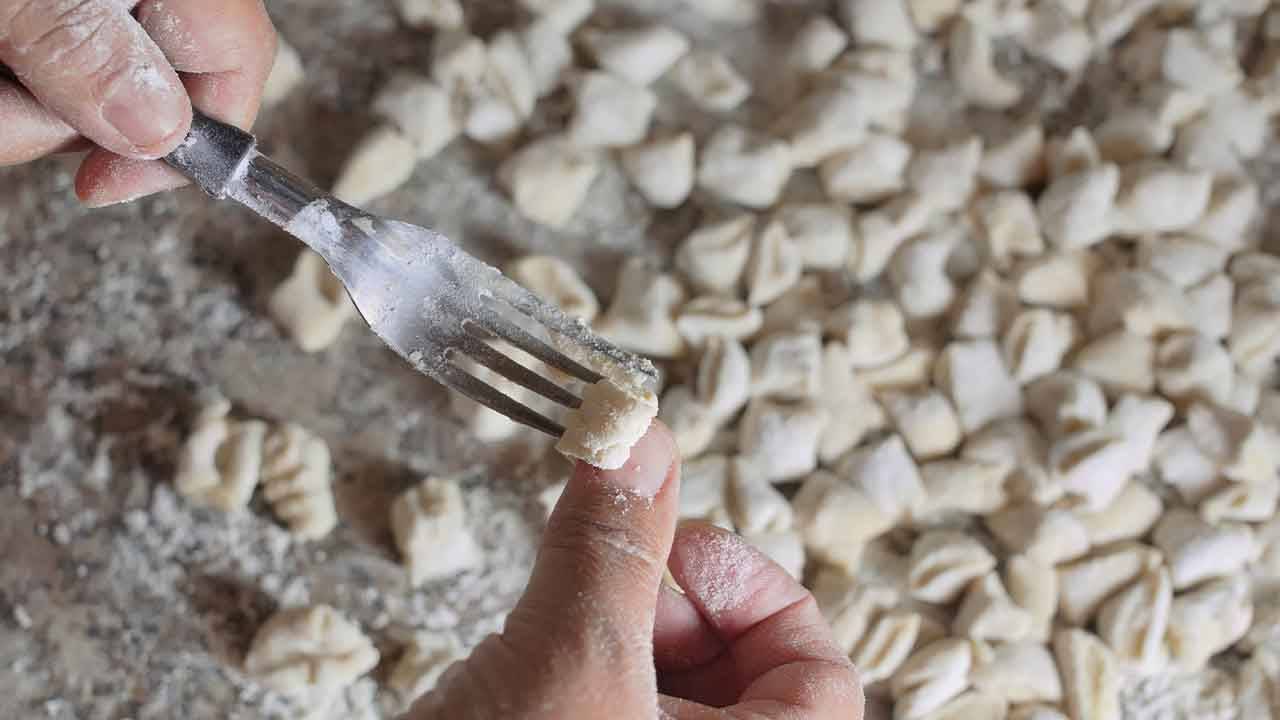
[[646, 471], [145, 107]]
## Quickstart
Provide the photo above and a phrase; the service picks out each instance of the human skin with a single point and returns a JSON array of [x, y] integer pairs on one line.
[[598, 634], [118, 79]]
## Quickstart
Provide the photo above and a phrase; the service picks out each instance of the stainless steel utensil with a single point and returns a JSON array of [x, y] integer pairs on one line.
[[427, 299]]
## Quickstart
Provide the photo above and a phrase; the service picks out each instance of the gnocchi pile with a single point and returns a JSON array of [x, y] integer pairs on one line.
[[1002, 393]]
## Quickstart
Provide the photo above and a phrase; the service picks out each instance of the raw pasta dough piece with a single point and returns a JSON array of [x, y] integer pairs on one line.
[[943, 563], [775, 265], [1133, 621], [1207, 620], [852, 409], [442, 14], [637, 55], [1090, 675], [609, 111], [641, 317], [301, 650], [836, 520], [312, 305], [887, 473], [882, 651], [1197, 551], [549, 178], [1085, 584], [555, 281], [787, 365], [661, 169], [422, 664], [931, 677], [874, 332], [286, 74], [379, 164], [710, 81], [611, 419], [988, 613], [926, 421], [220, 461], [714, 256], [712, 317], [782, 438], [420, 109], [296, 477], [974, 376], [430, 527], [1020, 672], [744, 167]]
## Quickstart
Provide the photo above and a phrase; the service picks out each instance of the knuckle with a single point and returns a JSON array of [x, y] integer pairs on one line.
[[66, 38]]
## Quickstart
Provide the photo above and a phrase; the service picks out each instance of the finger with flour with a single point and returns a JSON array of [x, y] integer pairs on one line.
[[224, 52]]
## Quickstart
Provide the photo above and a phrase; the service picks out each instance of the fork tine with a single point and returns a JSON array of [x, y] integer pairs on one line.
[[528, 303], [495, 400], [493, 322], [496, 361]]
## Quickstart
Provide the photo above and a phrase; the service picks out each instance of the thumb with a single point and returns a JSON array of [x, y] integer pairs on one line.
[[605, 549], [94, 66]]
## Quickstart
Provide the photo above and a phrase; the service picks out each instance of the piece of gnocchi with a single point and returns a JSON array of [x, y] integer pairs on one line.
[[787, 365], [943, 563], [1075, 210], [709, 317], [1033, 585], [221, 460], [661, 169], [1133, 622], [311, 305], [549, 178], [926, 420], [972, 65], [296, 477], [286, 75], [1191, 367], [609, 111], [442, 14], [754, 504], [1020, 672], [381, 162], [947, 176], [933, 675], [723, 379], [1155, 197], [775, 265], [837, 520], [1036, 342], [918, 273], [638, 55], [821, 232], [710, 81], [852, 409], [300, 651], [1019, 448], [1244, 449], [1133, 512], [690, 421], [872, 22], [704, 490], [782, 438], [1119, 361], [1066, 402], [422, 664], [1008, 227], [1017, 160], [714, 256], [988, 613], [744, 167], [611, 419], [870, 171], [1046, 534], [829, 119], [985, 308], [874, 332], [1197, 551], [564, 15], [1090, 675], [887, 473], [973, 374], [641, 316], [1085, 584], [971, 487], [887, 644], [817, 43], [429, 523], [422, 110], [557, 282], [1140, 302], [1207, 620]]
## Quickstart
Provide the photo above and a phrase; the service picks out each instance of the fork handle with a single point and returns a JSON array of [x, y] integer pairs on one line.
[[224, 161], [214, 154]]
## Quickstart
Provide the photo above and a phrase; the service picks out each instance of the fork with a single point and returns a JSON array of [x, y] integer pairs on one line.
[[420, 293]]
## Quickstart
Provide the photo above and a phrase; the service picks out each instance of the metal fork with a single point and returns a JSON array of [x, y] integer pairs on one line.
[[427, 299]]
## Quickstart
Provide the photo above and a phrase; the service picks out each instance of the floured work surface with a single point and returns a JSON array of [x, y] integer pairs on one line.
[[119, 599]]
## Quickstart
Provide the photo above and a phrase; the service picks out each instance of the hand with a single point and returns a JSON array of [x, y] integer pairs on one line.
[[598, 635], [91, 74]]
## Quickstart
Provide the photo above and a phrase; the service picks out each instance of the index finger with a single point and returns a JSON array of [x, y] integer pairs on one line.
[[779, 648]]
